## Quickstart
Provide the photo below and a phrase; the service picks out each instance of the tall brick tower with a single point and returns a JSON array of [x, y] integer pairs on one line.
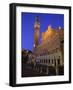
[[36, 31]]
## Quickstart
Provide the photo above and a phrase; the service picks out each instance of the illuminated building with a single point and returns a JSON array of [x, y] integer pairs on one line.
[[50, 51]]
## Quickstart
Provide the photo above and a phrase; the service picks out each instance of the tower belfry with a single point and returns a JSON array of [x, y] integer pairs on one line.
[[36, 31]]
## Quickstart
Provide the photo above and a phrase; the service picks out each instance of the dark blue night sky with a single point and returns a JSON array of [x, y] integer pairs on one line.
[[28, 19]]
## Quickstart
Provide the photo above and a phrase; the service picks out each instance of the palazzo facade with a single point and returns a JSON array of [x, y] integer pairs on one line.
[[50, 51]]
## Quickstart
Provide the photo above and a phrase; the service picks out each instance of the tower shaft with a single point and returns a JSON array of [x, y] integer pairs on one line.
[[36, 32]]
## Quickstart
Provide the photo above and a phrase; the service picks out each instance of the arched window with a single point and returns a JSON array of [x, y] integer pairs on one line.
[[59, 60], [49, 61], [52, 61], [46, 61]]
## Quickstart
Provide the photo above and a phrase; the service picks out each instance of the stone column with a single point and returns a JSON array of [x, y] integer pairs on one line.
[[46, 70], [40, 69], [57, 71]]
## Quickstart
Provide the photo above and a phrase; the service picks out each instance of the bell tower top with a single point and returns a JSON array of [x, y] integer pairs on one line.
[[37, 22]]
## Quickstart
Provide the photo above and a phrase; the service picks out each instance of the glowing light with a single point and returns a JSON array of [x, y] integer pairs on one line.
[[59, 27], [34, 45]]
